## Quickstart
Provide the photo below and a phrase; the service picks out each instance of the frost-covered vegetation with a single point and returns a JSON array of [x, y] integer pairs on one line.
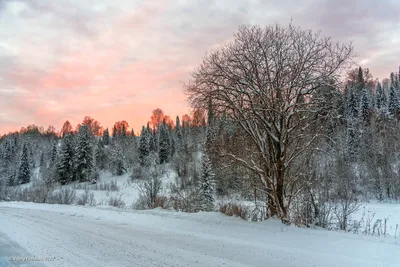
[[286, 134]]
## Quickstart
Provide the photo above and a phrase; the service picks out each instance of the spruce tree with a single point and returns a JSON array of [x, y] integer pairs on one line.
[[352, 106], [117, 160], [8, 153], [24, 173], [65, 165], [153, 141], [144, 146], [100, 156], [206, 183], [106, 137], [32, 162], [360, 81], [177, 124], [365, 106], [53, 157], [164, 144], [393, 105], [41, 163], [381, 100], [114, 131], [123, 131], [84, 154]]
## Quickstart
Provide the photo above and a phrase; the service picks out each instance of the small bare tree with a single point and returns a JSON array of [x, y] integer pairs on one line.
[[149, 190], [267, 81]]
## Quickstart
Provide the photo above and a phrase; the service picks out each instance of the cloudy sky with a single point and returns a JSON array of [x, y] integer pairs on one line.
[[118, 60]]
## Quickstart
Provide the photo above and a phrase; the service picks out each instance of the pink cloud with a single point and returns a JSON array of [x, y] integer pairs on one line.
[[125, 61]]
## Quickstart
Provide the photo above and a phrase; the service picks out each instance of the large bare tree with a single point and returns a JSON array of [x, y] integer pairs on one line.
[[268, 80]]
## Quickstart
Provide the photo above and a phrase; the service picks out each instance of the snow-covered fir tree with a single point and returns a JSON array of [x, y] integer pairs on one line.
[[393, 105], [65, 165], [365, 106], [101, 156], [153, 141], [117, 163], [53, 157], [24, 172], [380, 97], [41, 162], [353, 104], [84, 154], [144, 146], [206, 183], [114, 133], [106, 137], [164, 144]]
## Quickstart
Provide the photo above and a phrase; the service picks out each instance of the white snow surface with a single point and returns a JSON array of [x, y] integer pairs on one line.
[[99, 236]]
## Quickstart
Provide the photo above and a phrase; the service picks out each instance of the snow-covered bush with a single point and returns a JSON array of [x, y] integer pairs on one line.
[[185, 195], [149, 192], [116, 202], [82, 197], [5, 192], [233, 209], [65, 196], [91, 200]]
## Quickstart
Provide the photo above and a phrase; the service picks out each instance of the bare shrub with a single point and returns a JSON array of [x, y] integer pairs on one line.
[[4, 192], [232, 209], [149, 191], [138, 173], [82, 198], [116, 202], [91, 200], [65, 196], [185, 195], [161, 202]]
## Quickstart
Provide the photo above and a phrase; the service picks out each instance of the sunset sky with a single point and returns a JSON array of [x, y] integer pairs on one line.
[[119, 60]]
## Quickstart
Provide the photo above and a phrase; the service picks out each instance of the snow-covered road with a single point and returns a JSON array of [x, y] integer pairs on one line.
[[84, 236]]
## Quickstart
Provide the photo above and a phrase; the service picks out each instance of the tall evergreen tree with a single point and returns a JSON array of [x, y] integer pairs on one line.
[[31, 157], [8, 153], [8, 162], [177, 124], [144, 146], [164, 140], [24, 173], [353, 105], [381, 100], [117, 160], [360, 81], [393, 106], [365, 106], [65, 165], [53, 157], [123, 131], [114, 134], [153, 141], [206, 183], [41, 164], [100, 156], [84, 154], [106, 137]]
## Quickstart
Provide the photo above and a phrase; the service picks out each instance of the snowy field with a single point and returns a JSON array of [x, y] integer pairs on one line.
[[99, 236]]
